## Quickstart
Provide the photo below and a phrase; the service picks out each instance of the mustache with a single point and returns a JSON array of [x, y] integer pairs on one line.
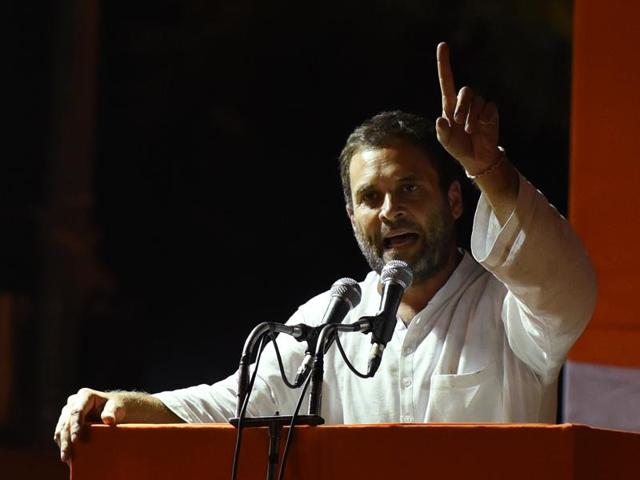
[[402, 224]]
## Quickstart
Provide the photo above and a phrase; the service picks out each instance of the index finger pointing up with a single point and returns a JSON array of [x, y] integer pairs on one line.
[[447, 85]]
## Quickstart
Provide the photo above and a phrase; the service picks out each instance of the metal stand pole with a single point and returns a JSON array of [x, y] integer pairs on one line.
[[275, 425]]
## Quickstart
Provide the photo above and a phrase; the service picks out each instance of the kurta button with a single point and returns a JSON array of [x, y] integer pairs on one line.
[[406, 382], [408, 350]]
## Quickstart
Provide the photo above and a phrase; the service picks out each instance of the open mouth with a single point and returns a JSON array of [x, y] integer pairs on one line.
[[396, 241]]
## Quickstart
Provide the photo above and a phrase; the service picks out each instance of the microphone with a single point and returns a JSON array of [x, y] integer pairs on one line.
[[396, 277], [345, 294]]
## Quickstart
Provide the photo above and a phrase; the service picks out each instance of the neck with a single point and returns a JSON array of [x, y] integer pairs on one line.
[[417, 296]]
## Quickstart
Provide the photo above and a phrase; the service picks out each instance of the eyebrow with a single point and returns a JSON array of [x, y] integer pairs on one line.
[[409, 178], [363, 189], [367, 187]]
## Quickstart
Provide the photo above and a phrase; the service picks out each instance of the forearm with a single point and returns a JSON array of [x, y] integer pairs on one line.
[[140, 407], [500, 187]]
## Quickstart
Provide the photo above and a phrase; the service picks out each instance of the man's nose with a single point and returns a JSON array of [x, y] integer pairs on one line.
[[391, 209]]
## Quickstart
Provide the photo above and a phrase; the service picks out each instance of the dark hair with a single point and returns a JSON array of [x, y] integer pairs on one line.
[[387, 127]]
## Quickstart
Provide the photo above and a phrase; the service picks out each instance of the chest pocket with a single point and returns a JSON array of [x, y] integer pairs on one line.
[[467, 397]]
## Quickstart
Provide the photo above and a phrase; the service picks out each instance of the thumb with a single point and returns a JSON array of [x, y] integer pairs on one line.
[[113, 412], [443, 131]]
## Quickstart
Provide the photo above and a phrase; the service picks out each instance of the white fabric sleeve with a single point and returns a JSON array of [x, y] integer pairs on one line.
[[217, 402], [550, 280]]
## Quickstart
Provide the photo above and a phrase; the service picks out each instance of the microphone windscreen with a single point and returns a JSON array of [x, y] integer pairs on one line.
[[397, 271], [348, 289]]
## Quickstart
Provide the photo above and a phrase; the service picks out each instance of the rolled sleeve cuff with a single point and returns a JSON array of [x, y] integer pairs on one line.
[[492, 243]]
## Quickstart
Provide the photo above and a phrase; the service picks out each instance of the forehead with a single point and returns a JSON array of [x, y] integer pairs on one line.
[[393, 162]]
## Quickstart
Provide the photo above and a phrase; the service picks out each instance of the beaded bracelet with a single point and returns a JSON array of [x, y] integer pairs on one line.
[[494, 166]]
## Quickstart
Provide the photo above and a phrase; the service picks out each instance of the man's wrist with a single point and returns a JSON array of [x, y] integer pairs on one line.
[[494, 166], [500, 187]]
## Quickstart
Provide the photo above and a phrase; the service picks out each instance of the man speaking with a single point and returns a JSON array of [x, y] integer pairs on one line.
[[475, 340]]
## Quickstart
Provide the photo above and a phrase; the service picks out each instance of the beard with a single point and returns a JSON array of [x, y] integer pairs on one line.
[[434, 247]]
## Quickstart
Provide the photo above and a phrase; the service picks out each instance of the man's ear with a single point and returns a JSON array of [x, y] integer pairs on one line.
[[454, 195]]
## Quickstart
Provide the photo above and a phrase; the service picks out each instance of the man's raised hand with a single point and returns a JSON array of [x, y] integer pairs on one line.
[[468, 127]]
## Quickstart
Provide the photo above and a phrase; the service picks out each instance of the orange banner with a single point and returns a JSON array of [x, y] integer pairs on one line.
[[605, 172]]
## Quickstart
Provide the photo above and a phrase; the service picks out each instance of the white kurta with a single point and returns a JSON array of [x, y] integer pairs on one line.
[[487, 348]]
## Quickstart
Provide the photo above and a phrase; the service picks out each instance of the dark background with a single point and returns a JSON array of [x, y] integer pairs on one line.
[[170, 175]]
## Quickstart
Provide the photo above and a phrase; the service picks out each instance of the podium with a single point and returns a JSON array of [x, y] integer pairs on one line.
[[451, 451]]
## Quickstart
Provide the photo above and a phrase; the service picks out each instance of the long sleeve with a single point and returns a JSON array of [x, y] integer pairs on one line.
[[550, 280]]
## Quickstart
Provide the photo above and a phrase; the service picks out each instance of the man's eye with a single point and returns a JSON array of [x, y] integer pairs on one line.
[[369, 197], [410, 188]]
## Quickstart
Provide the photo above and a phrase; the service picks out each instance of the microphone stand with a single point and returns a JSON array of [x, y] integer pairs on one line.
[[364, 325], [300, 332]]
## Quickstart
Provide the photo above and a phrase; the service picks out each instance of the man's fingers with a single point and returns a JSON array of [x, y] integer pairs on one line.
[[464, 100], [489, 115], [75, 422], [62, 421], [62, 435], [86, 400], [477, 105], [447, 84], [65, 443], [76, 413], [443, 131]]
